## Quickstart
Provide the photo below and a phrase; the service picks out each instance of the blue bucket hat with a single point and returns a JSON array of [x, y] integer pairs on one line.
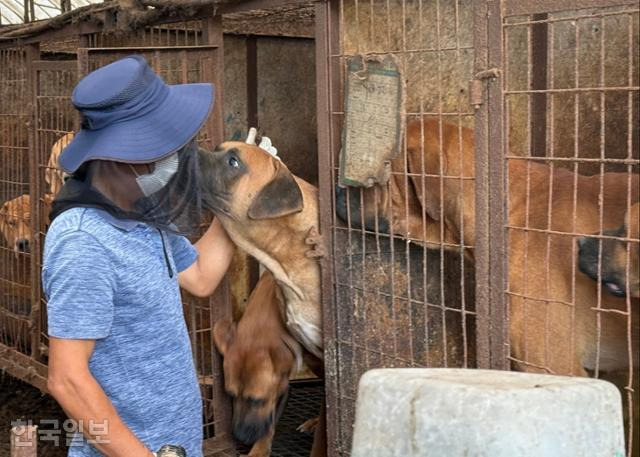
[[129, 114]]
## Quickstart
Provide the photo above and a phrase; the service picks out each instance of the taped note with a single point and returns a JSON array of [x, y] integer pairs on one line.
[[374, 120]]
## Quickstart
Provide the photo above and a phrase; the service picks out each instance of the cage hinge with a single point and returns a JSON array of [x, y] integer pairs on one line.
[[476, 86]]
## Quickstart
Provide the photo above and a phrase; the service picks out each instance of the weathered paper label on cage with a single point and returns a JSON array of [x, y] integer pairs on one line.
[[374, 120]]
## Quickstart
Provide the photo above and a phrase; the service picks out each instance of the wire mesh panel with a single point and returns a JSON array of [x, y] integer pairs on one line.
[[571, 162], [189, 33], [180, 65], [16, 233], [53, 129], [398, 287]]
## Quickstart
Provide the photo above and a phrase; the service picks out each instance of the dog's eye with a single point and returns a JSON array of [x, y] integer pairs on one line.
[[233, 162], [11, 223]]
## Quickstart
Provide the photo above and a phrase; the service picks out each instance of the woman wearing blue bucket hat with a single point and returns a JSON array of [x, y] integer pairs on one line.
[[115, 257]]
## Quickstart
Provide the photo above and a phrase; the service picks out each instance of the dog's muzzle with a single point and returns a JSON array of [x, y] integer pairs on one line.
[[248, 431]]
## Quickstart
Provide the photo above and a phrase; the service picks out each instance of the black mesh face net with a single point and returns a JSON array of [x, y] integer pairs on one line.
[[112, 186]]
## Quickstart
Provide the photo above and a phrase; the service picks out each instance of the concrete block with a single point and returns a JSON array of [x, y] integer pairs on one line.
[[458, 412]]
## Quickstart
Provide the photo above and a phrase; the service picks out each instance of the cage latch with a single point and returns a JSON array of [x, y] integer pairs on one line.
[[476, 86]]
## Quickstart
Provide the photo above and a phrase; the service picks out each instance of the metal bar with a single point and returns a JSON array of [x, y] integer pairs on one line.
[[539, 44], [588, 14], [574, 89], [33, 53], [220, 303], [575, 159], [203, 47], [326, 37], [481, 255], [521, 8], [252, 81], [213, 38], [497, 194], [249, 5]]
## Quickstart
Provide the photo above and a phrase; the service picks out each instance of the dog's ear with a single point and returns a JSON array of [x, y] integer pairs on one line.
[[430, 164], [280, 197], [223, 333]]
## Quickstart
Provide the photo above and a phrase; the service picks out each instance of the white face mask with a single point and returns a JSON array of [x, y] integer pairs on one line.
[[163, 170]]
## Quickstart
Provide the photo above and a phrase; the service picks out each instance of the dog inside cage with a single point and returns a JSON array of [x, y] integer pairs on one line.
[[457, 189]]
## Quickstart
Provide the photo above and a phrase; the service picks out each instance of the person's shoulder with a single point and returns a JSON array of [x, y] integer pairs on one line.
[[88, 220], [79, 224]]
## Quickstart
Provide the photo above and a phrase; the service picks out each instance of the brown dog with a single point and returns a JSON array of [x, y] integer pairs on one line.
[[268, 212], [15, 221], [614, 257], [398, 207], [259, 358], [53, 175], [552, 324]]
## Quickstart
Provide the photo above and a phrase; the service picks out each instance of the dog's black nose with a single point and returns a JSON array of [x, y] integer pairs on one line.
[[23, 245], [251, 431]]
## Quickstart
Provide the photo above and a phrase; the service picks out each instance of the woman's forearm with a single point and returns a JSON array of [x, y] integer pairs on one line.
[[215, 251], [85, 402]]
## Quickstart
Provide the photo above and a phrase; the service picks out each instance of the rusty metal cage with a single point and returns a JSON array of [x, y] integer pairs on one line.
[[571, 161], [485, 274], [398, 292], [550, 111], [37, 116]]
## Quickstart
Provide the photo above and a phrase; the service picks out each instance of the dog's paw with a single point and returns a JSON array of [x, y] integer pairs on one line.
[[314, 239], [308, 426]]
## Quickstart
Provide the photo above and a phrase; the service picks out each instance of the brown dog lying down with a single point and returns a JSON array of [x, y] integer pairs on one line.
[[613, 268], [268, 212], [553, 325], [15, 221], [259, 358]]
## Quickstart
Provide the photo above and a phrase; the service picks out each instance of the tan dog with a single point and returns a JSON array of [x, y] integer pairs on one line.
[[551, 327], [614, 267], [53, 174], [259, 357], [398, 207], [15, 221], [268, 212]]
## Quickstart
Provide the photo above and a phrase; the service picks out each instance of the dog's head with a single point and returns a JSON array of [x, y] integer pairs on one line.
[[15, 223], [244, 182], [53, 174], [256, 377], [613, 268]]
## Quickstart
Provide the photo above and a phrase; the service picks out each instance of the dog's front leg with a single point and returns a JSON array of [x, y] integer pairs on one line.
[[262, 447]]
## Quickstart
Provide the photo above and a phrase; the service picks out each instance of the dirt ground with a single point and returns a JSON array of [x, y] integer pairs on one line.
[[20, 401]]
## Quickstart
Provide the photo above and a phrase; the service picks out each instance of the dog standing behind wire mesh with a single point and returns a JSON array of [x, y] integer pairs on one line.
[[614, 257], [260, 356], [554, 322], [15, 221]]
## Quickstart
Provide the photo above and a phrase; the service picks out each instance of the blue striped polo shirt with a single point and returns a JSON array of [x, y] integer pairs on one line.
[[109, 280]]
